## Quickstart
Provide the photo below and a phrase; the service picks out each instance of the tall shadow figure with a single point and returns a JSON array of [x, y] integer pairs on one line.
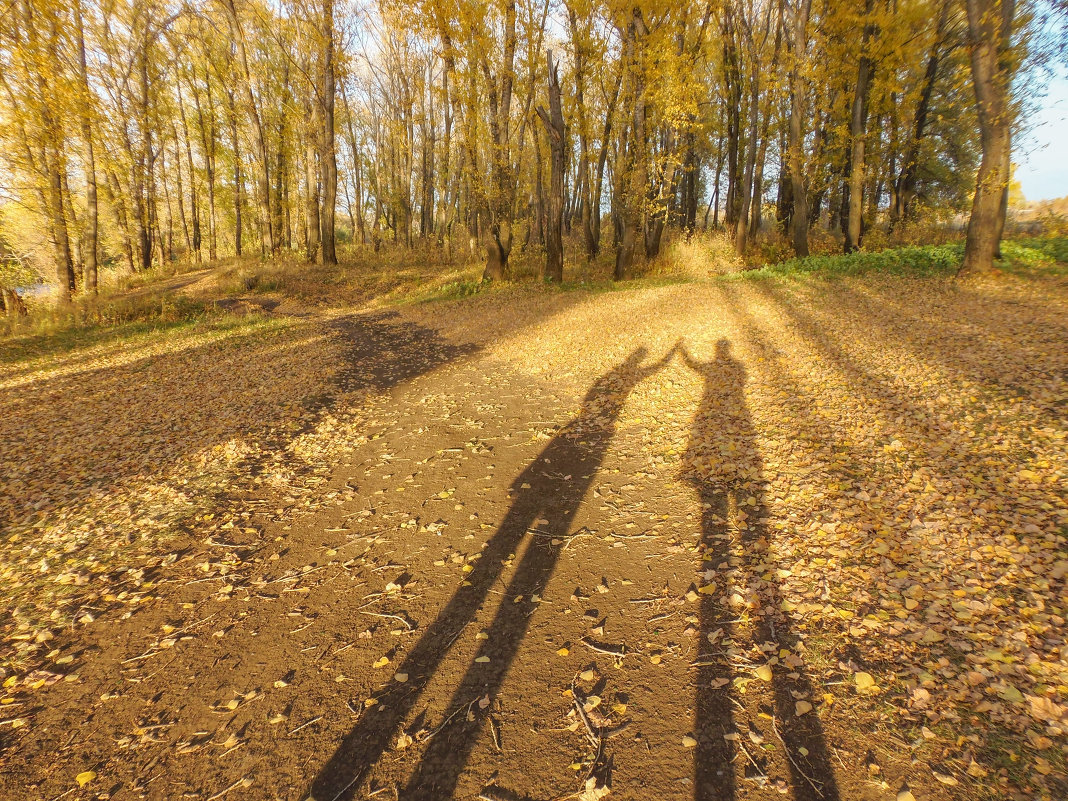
[[726, 469], [551, 488]]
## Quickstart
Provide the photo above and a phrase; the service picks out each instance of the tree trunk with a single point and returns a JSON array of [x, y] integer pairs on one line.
[[311, 194], [554, 127], [11, 303], [733, 85], [207, 142], [328, 157], [691, 170], [858, 132], [194, 200], [905, 188], [537, 223], [634, 179], [990, 40], [122, 216], [501, 202], [92, 214], [238, 178], [592, 218], [263, 179], [799, 191], [60, 238], [741, 227]]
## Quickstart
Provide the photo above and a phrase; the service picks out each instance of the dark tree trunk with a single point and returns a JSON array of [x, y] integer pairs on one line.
[[799, 192], [905, 187], [537, 222], [554, 127], [500, 206], [741, 226]]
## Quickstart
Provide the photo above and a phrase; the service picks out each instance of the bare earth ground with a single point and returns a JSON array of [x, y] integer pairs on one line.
[[732, 539]]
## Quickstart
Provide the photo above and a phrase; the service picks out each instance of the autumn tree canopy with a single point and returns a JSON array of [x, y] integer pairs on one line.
[[140, 131]]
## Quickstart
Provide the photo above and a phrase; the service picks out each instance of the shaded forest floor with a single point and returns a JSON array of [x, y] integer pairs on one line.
[[744, 537]]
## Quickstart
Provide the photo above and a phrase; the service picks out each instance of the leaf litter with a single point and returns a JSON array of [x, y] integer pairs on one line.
[[909, 490]]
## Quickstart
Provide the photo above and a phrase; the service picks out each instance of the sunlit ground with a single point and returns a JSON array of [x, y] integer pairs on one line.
[[899, 444]]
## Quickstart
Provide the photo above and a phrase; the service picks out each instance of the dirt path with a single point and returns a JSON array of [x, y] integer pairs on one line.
[[733, 540]]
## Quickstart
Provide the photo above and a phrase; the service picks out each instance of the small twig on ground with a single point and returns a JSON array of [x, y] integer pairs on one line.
[[296, 576], [643, 536], [618, 651], [244, 781], [465, 708], [391, 617], [812, 782], [594, 734], [305, 725], [209, 578], [145, 655], [749, 756]]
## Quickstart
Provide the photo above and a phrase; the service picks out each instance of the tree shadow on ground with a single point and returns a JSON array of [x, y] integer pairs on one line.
[[547, 496], [727, 471], [94, 460], [138, 418]]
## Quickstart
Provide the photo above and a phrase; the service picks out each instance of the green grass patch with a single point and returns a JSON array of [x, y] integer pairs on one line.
[[927, 260], [1020, 256]]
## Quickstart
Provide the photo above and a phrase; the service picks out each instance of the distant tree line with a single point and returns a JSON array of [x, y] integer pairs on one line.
[[141, 131]]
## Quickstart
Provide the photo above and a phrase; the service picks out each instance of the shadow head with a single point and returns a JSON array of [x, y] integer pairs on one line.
[[637, 356]]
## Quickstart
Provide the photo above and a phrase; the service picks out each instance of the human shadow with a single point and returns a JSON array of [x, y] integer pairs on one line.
[[725, 467], [547, 495]]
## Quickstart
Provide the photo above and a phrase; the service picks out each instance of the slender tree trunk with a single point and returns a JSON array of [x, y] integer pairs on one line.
[[311, 196], [593, 227], [554, 128], [238, 178], [905, 188], [741, 227], [58, 228], [733, 85], [207, 143], [538, 222], [799, 191], [263, 178], [691, 171], [122, 217], [328, 158], [500, 110], [194, 199], [181, 192], [92, 213], [73, 227]]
